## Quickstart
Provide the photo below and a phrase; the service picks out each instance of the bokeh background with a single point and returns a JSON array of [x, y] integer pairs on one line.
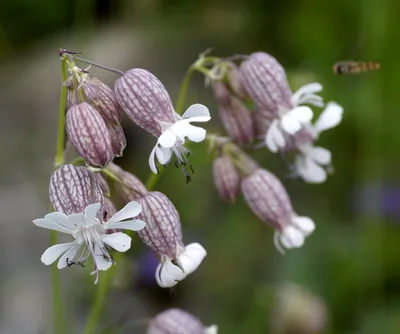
[[346, 279]]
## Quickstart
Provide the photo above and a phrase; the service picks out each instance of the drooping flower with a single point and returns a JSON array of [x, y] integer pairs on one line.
[[147, 103], [178, 321], [312, 162], [163, 235], [265, 81], [89, 232], [268, 199], [89, 135]]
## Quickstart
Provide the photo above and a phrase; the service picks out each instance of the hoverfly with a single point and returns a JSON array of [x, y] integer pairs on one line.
[[355, 67]]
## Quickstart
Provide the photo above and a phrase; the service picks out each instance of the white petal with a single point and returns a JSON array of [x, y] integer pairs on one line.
[[168, 274], [196, 134], [304, 224], [291, 237], [51, 225], [70, 254], [102, 263], [132, 209], [78, 219], [197, 113], [311, 99], [274, 138], [329, 118], [91, 211], [321, 155], [152, 162], [290, 124], [163, 155], [213, 329], [191, 258], [168, 137], [119, 241], [309, 170], [133, 225], [311, 88], [61, 219], [54, 252], [303, 114]]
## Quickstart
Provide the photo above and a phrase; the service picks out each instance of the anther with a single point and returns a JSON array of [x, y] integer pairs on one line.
[[104, 215]]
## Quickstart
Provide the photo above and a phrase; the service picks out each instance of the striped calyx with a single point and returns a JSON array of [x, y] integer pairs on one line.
[[145, 100], [118, 139], [129, 187], [235, 80], [226, 178], [164, 236], [89, 135], [163, 232], [175, 321], [72, 189], [99, 95], [237, 121], [264, 79], [267, 198]]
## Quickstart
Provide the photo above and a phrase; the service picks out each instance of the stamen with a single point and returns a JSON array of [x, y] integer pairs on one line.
[[104, 215]]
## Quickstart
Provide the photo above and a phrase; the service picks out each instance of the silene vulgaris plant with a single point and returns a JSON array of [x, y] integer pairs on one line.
[[256, 107]]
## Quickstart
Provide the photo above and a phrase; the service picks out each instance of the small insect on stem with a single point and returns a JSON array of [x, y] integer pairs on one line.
[[62, 52], [70, 263]]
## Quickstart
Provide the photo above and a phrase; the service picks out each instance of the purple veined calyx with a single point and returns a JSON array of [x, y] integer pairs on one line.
[[268, 199], [163, 234], [147, 103], [226, 178], [264, 79], [178, 321]]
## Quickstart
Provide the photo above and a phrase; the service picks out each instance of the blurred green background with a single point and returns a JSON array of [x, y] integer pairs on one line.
[[349, 266]]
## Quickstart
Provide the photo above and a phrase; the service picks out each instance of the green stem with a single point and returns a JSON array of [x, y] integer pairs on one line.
[[99, 299], [183, 91], [59, 160], [59, 321]]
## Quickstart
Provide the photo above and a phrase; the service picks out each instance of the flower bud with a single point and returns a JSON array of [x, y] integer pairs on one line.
[[221, 93], [177, 321], [118, 139], [130, 188], [163, 235], [99, 95], [264, 79], [226, 179], [268, 199], [235, 81], [89, 135], [237, 121], [72, 189], [297, 310], [145, 100]]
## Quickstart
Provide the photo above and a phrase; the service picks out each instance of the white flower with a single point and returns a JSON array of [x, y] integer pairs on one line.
[[312, 162], [291, 121], [173, 136], [294, 234], [169, 272], [90, 234]]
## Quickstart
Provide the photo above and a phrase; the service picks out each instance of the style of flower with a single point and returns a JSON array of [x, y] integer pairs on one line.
[[90, 235], [173, 136], [312, 162]]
